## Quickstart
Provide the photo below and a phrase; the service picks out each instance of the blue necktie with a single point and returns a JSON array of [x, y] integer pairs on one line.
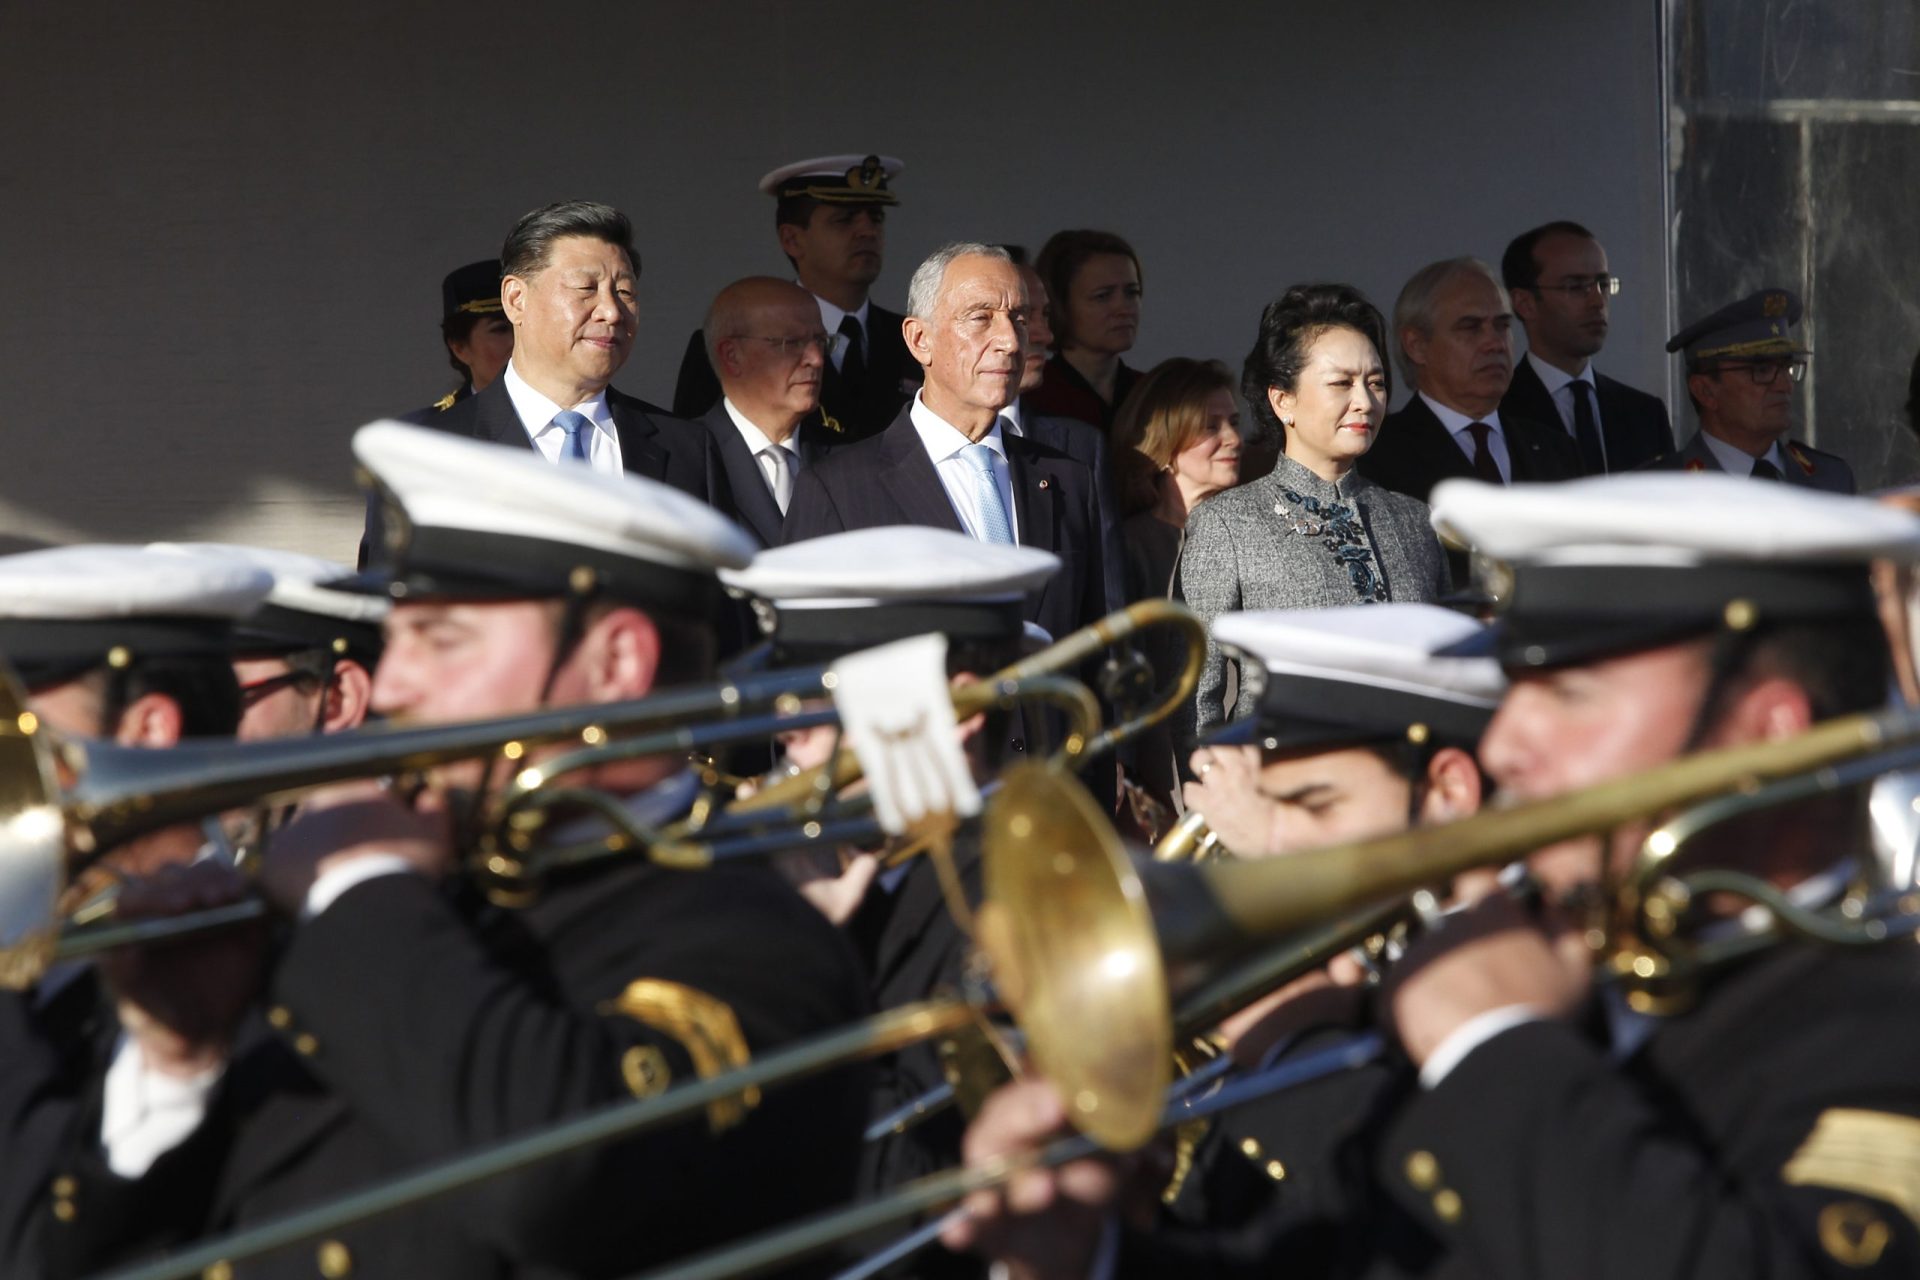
[[994, 525], [579, 434]]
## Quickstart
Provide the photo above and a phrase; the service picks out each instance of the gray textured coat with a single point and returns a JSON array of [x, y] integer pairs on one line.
[[1255, 547]]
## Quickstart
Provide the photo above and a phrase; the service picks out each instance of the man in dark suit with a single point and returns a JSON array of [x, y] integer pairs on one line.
[[830, 214], [765, 338], [1557, 276], [1453, 325], [569, 275], [948, 462], [1742, 367]]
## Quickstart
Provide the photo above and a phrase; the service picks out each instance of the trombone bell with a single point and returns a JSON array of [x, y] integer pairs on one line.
[[33, 857]]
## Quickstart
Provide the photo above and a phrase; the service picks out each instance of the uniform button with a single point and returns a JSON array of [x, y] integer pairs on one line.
[[218, 1271], [1019, 744], [1276, 1170], [334, 1260], [305, 1044], [65, 1211], [1251, 1149], [1446, 1204], [1423, 1171], [280, 1017], [64, 1187]]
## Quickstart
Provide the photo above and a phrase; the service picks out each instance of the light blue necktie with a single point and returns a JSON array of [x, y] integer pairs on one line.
[[579, 434], [994, 525]]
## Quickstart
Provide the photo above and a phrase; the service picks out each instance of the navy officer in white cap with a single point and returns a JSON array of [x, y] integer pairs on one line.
[[442, 1026], [821, 600], [305, 657], [831, 216], [1764, 1126]]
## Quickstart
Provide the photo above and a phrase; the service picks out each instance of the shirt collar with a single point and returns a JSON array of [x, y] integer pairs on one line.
[[831, 315], [1455, 422], [1014, 419], [943, 440], [537, 412], [756, 438], [1738, 462], [1553, 379]]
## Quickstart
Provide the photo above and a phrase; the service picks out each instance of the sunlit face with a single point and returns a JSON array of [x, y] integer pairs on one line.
[[974, 347], [275, 702], [1467, 361], [485, 350], [573, 319], [1337, 403], [1560, 730], [1560, 321], [780, 358], [1329, 797], [1212, 461], [1039, 330], [842, 245], [1104, 303]]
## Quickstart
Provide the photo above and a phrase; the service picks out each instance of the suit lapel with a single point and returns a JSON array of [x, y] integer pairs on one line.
[[497, 419], [756, 505], [907, 475], [640, 451], [1033, 493], [1433, 442]]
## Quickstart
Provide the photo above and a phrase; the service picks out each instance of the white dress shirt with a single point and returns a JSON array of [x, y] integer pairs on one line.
[[778, 475], [1013, 420], [1457, 423], [537, 414], [1559, 385], [1738, 462], [144, 1114], [831, 316], [943, 442]]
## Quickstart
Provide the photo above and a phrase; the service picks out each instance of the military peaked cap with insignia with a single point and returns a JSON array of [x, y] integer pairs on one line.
[[304, 610], [471, 290], [65, 611], [850, 179], [470, 520], [1755, 326], [1361, 675], [1614, 564], [825, 597]]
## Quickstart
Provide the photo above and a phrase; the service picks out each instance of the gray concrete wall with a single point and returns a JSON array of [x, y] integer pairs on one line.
[[226, 222]]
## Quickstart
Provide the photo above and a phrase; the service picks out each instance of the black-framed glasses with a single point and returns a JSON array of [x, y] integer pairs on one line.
[[1579, 286], [830, 344], [260, 690], [1766, 372]]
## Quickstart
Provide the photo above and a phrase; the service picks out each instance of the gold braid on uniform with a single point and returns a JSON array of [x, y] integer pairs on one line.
[[702, 1025], [1870, 1153]]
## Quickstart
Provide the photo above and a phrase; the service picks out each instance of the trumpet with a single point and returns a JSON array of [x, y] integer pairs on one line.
[[1088, 949]]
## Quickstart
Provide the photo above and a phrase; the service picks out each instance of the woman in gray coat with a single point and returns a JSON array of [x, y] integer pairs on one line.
[[1314, 533]]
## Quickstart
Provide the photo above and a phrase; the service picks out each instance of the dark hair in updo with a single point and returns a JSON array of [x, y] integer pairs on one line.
[[1288, 328]]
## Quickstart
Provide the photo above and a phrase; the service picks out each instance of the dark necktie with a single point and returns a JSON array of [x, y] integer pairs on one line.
[[1764, 470], [1593, 460], [1483, 464], [853, 365]]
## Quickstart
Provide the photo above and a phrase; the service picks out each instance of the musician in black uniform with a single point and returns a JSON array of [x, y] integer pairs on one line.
[[831, 214], [1760, 1119]]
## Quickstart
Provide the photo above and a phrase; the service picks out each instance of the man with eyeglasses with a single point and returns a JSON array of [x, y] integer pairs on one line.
[[1557, 274], [765, 340], [1742, 364]]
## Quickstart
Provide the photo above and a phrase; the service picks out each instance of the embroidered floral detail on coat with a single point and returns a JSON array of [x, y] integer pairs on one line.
[[1340, 531]]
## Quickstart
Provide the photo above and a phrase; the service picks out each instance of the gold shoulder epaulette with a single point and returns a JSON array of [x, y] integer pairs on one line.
[[447, 401], [705, 1027], [1870, 1153]]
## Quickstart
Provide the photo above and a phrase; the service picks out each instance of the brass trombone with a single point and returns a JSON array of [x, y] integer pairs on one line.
[[1088, 949]]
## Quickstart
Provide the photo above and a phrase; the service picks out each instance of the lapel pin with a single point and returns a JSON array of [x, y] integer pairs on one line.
[[1044, 482]]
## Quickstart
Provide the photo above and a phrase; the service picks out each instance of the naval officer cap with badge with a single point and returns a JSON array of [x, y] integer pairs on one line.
[[1743, 363], [1646, 617], [305, 657], [517, 585], [1367, 720]]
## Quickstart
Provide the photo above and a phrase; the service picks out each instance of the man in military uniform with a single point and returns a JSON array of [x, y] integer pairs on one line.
[[1742, 366], [479, 339], [1767, 1125], [830, 213], [442, 1025]]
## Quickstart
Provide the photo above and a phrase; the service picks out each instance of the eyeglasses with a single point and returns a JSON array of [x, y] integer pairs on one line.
[[830, 344], [259, 691], [1766, 372], [1579, 286]]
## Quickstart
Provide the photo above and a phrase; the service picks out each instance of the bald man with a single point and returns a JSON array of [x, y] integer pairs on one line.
[[765, 340]]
